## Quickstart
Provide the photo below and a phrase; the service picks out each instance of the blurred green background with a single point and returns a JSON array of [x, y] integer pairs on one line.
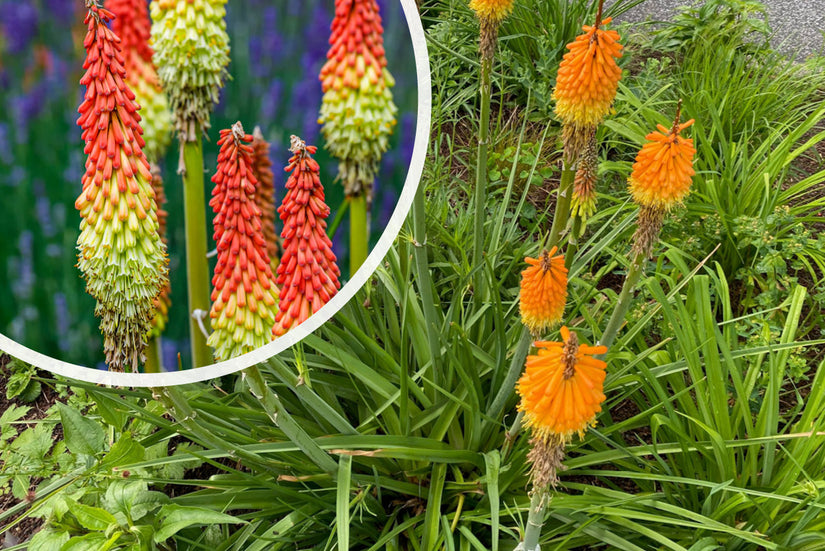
[[278, 48]]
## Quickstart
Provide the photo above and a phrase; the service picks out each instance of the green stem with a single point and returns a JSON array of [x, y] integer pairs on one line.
[[358, 234], [284, 421], [623, 304], [339, 217], [424, 279], [480, 193], [197, 265], [535, 519], [562, 214], [573, 242], [154, 356], [515, 428]]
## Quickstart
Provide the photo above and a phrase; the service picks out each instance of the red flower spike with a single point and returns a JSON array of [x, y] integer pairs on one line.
[[133, 26], [307, 274], [265, 196], [244, 294]]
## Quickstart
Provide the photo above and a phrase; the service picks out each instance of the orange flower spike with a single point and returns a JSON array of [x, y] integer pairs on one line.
[[543, 291], [308, 273], [562, 387], [663, 171], [244, 293], [588, 76]]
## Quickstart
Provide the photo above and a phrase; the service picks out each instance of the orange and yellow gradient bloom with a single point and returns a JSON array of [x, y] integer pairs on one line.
[[265, 194], [132, 25], [543, 292], [663, 171], [357, 111], [120, 252], [561, 389], [588, 76]]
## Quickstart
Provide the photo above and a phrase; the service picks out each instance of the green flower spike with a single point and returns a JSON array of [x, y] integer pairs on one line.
[[191, 53]]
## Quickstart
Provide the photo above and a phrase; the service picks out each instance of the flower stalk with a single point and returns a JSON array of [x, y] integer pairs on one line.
[[490, 14], [561, 392], [197, 267], [660, 180]]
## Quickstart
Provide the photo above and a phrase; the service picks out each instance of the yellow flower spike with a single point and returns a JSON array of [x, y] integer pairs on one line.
[[492, 10]]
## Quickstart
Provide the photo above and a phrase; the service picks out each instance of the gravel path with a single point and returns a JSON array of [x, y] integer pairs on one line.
[[798, 25]]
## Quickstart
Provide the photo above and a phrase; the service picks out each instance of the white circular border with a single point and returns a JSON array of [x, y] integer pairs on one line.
[[422, 133]]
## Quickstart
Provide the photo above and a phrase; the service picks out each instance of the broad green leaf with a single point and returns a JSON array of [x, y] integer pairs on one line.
[[48, 540], [123, 452], [90, 542], [176, 518], [82, 435], [92, 518]]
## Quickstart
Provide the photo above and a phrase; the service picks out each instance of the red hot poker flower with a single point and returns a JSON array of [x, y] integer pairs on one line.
[[132, 25], [120, 252], [244, 295], [308, 274], [265, 194]]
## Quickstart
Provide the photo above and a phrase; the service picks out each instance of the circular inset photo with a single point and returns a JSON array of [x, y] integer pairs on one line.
[[196, 186]]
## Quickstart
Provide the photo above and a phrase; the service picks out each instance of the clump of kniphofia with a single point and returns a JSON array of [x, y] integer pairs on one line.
[[543, 292], [132, 25], [357, 111], [120, 252], [244, 295], [583, 201], [588, 76], [308, 273], [265, 194]]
